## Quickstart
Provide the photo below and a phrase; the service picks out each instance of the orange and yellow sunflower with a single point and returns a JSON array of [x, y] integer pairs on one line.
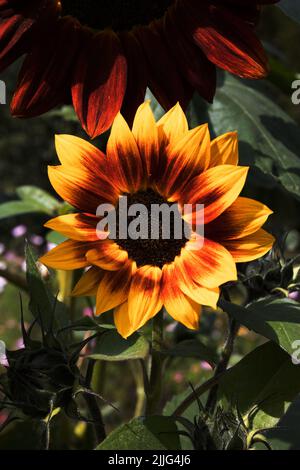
[[102, 54], [155, 162]]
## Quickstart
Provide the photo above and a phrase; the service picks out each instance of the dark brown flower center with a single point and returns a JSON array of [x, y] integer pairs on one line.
[[161, 230], [120, 15]]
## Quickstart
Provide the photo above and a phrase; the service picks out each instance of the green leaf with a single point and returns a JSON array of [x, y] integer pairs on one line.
[[287, 435], [43, 306], [66, 113], [151, 433], [14, 208], [275, 319], [193, 348], [267, 378], [291, 8], [38, 196], [269, 139], [157, 109], [112, 347], [55, 237]]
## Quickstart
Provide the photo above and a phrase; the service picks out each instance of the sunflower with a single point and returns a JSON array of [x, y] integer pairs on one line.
[[155, 163], [103, 54]]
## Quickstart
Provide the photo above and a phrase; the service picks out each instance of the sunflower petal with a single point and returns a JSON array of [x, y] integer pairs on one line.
[[43, 81], [81, 192], [195, 67], [243, 217], [251, 247], [144, 296], [172, 126], [74, 151], [199, 294], [178, 305], [136, 76], [114, 288], [224, 150], [107, 255], [145, 132], [188, 157], [230, 43], [122, 320], [161, 67], [68, 255], [210, 266], [124, 157], [216, 189], [81, 227], [99, 82], [88, 283]]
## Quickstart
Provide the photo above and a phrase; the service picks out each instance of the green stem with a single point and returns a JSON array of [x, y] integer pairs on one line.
[[223, 364], [155, 382], [141, 381], [93, 407]]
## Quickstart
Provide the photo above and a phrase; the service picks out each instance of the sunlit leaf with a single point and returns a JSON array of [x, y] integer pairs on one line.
[[151, 433], [267, 379], [112, 347], [276, 319]]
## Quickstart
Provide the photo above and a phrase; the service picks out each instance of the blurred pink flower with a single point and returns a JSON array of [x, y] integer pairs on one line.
[[3, 417], [36, 240], [205, 365], [12, 256], [19, 344], [19, 231], [50, 246], [171, 327], [3, 283], [88, 312], [294, 295], [3, 358], [178, 377]]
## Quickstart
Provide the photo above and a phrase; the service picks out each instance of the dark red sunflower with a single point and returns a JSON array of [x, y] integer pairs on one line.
[[103, 54]]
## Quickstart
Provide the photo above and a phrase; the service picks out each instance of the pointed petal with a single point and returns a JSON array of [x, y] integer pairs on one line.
[[199, 294], [145, 132], [19, 25], [84, 193], [217, 188], [81, 227], [74, 151], [210, 266], [88, 283], [172, 126], [44, 78], [114, 288], [124, 157], [68, 255], [107, 255], [251, 247], [144, 296], [187, 158], [243, 217], [99, 82], [230, 43], [224, 150], [136, 76], [178, 305], [122, 320], [161, 67], [78, 154], [192, 62]]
